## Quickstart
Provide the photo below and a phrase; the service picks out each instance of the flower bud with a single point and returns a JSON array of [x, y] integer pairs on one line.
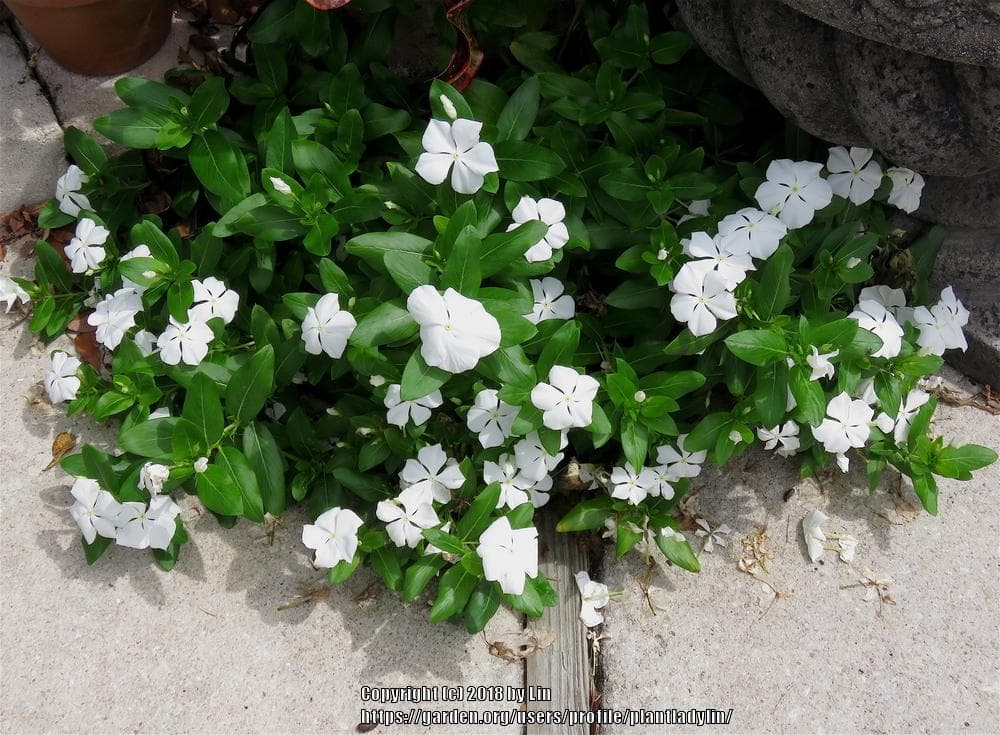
[[280, 186], [639, 396]]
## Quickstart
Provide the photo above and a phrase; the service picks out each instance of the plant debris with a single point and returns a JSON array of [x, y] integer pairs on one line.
[[63, 444]]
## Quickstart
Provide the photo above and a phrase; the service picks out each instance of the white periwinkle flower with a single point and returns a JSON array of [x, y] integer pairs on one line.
[[213, 300], [152, 476], [848, 545], [695, 208], [680, 462], [853, 173], [892, 299], [631, 484], [455, 331], [549, 211], [434, 470], [326, 328], [593, 596], [533, 459], [874, 317], [550, 301], [847, 424], [95, 510], [794, 191], [907, 187], [812, 531], [783, 439], [491, 418], [720, 255], [334, 537], [567, 400], [941, 325], [185, 342], [145, 341], [509, 555], [908, 408], [407, 515], [11, 292], [114, 316], [201, 464], [161, 413], [71, 199], [538, 491], [701, 297], [820, 364], [513, 485], [418, 410], [456, 147], [84, 250], [153, 526], [713, 536], [662, 482], [61, 381], [752, 231]]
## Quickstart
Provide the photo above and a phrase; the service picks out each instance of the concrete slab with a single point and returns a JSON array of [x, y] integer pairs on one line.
[[123, 646], [31, 152], [822, 658], [80, 99]]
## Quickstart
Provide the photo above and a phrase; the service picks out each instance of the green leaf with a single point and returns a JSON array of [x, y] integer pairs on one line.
[[270, 222], [50, 270], [668, 48], [141, 92], [343, 570], [482, 605], [705, 434], [677, 549], [278, 151], [638, 293], [758, 346], [560, 348], [959, 462], [265, 459], [385, 561], [93, 552], [477, 516], [587, 515], [522, 161], [311, 157], [420, 379], [387, 322], [926, 489], [503, 248], [444, 541], [419, 574], [372, 246], [203, 409], [454, 591], [134, 127], [771, 295], [150, 438], [461, 271], [208, 103], [888, 390], [85, 151], [808, 395], [251, 386], [218, 491], [408, 270], [242, 475], [627, 184], [99, 467], [771, 394], [438, 110], [220, 166], [518, 115]]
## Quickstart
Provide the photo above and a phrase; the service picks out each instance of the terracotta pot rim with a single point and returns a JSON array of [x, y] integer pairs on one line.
[[60, 4]]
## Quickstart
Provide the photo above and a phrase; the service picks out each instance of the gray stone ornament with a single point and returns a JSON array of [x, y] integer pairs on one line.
[[918, 80]]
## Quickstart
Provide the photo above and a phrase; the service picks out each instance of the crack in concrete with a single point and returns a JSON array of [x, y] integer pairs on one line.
[[17, 34]]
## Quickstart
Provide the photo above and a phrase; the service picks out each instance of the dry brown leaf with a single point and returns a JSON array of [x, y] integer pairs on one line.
[[515, 647], [62, 445], [88, 349]]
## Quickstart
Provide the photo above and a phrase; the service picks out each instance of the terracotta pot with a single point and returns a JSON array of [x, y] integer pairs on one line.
[[96, 37]]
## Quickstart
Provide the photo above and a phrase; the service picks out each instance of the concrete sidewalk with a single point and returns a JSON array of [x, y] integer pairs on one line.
[[123, 646]]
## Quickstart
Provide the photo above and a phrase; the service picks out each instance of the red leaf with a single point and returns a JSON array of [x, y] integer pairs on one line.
[[467, 56], [328, 4], [88, 349]]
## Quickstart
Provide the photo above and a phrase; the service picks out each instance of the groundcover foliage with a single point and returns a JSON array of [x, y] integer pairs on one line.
[[422, 314]]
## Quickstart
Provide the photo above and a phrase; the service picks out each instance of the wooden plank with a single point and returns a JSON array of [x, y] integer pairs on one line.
[[562, 667]]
